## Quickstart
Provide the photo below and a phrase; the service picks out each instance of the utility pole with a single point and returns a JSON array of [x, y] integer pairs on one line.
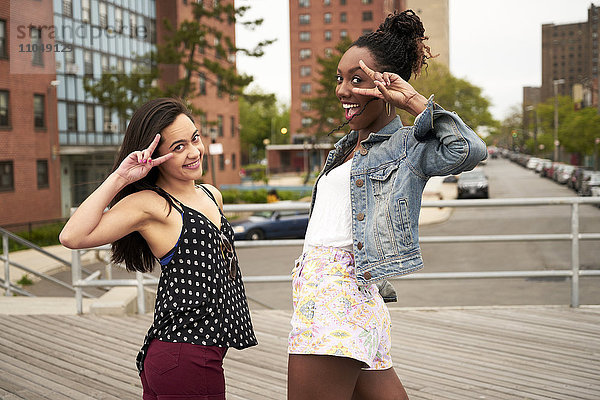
[[556, 82]]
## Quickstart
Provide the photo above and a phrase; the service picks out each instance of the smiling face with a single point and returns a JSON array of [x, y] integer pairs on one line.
[[350, 75], [183, 140]]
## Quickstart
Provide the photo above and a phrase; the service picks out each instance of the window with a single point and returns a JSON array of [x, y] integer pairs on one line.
[[305, 105], [88, 65], [85, 11], [305, 70], [232, 122], [233, 161], [304, 36], [304, 19], [132, 25], [118, 20], [367, 16], [4, 114], [3, 52], [203, 125], [305, 88], [39, 117], [106, 120], [67, 8], [343, 34], [221, 162], [220, 125], [306, 122], [365, 31], [328, 35], [219, 87], [367, 1], [326, 2], [42, 174], [305, 53], [218, 48], [104, 63], [342, 2], [7, 179], [72, 116], [327, 18], [90, 118], [303, 3], [328, 51], [343, 17], [202, 83], [103, 15], [37, 46]]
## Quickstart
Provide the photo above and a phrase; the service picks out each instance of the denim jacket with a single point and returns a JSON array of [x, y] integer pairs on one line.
[[387, 178]]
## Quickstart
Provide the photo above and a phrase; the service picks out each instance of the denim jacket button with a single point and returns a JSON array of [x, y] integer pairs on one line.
[[359, 245], [360, 182], [367, 275], [363, 151], [360, 216]]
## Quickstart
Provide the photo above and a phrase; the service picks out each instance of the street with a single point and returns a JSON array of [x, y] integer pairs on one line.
[[507, 180]]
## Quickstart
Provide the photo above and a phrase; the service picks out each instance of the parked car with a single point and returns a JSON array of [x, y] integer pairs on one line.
[[587, 184], [545, 163], [533, 162], [473, 184], [578, 176], [271, 225], [563, 174]]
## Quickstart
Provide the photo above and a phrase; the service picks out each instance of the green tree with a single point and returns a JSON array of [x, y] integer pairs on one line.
[[260, 121], [328, 113], [454, 94], [190, 45]]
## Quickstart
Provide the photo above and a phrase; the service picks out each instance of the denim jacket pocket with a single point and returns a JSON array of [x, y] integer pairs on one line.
[[385, 239]]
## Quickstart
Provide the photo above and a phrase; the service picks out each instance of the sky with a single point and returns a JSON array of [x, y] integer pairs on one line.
[[496, 45]]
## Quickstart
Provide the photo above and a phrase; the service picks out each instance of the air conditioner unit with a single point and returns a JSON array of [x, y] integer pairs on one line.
[[110, 127], [72, 69]]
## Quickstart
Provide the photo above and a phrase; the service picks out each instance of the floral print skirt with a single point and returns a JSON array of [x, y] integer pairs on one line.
[[333, 315]]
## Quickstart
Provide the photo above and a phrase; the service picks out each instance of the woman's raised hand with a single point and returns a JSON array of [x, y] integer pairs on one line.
[[393, 89], [137, 164]]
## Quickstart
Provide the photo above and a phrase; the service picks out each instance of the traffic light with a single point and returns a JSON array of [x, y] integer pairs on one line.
[[283, 131]]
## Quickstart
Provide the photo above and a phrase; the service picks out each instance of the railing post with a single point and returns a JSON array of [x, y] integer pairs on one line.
[[6, 264], [76, 278], [141, 301], [575, 255]]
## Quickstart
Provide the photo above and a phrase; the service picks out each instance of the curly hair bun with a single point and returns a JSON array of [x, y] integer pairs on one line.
[[406, 23]]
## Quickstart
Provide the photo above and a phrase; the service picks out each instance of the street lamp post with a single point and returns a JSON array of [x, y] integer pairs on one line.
[[535, 127], [596, 161], [556, 82]]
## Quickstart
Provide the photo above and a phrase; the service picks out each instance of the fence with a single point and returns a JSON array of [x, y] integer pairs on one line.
[[574, 236]]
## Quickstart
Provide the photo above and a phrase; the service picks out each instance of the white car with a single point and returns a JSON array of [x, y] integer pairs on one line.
[[533, 162]]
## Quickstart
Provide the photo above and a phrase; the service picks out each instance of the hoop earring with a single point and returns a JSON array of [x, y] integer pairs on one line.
[[388, 108]]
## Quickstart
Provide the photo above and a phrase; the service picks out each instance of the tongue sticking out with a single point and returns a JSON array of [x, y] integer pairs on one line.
[[350, 112]]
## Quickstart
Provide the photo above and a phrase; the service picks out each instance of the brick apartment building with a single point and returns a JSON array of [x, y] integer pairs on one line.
[[56, 143], [29, 163], [570, 52]]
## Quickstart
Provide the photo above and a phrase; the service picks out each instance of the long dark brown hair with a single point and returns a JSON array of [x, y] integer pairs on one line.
[[148, 120]]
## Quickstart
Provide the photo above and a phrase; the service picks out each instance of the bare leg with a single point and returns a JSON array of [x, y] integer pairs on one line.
[[321, 377], [379, 385]]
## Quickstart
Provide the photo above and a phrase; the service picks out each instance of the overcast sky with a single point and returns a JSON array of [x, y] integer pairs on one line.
[[495, 45]]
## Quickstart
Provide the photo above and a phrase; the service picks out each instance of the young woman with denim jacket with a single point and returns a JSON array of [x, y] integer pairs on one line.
[[364, 216]]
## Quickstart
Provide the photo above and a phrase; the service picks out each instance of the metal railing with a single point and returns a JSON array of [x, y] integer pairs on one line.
[[574, 236], [5, 282]]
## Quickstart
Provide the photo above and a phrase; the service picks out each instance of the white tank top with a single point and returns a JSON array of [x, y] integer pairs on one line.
[[331, 220]]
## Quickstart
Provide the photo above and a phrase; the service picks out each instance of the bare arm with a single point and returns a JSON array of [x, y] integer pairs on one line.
[[90, 226]]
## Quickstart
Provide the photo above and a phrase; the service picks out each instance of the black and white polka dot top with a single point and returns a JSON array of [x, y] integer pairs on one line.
[[201, 297]]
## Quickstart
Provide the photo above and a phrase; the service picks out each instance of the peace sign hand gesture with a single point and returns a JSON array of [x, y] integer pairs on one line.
[[393, 89], [138, 163]]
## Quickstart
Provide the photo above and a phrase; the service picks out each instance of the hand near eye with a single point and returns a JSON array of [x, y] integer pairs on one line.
[[394, 90], [138, 163]]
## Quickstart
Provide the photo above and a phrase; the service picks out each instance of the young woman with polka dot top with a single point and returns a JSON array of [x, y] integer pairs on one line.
[[157, 212]]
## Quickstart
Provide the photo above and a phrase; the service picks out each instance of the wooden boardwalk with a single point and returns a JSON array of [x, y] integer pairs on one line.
[[475, 353]]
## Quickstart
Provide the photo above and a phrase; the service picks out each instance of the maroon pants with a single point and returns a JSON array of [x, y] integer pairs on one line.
[[178, 371]]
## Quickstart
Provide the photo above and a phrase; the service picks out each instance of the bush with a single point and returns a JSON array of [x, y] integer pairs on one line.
[[235, 196], [43, 236]]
